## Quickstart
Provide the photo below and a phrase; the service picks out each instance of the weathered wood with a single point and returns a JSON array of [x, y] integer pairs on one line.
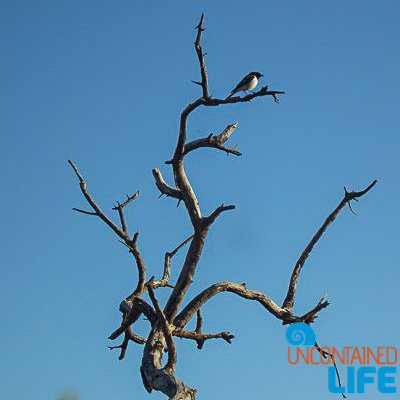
[[164, 324]]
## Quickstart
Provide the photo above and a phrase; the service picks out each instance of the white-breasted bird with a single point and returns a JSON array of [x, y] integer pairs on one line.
[[249, 82]]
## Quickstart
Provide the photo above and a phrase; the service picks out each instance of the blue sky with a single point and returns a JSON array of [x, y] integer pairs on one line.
[[103, 83]]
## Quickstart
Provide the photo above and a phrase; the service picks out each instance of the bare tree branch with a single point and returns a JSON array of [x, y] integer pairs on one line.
[[200, 338], [214, 141], [133, 248], [186, 276], [240, 289], [200, 55], [127, 201], [119, 207], [129, 336], [209, 220], [133, 309], [163, 187], [85, 212], [187, 313], [260, 93], [123, 234], [123, 346], [135, 338], [348, 196], [154, 376], [167, 265], [211, 102], [181, 180], [197, 333], [95, 207], [199, 322], [312, 315], [172, 356], [325, 355]]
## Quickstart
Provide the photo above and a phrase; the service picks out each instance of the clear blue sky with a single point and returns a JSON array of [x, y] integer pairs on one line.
[[103, 83]]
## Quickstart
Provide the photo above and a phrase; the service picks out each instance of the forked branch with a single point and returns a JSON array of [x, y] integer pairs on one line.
[[120, 206], [95, 207], [123, 234], [164, 281], [129, 336]]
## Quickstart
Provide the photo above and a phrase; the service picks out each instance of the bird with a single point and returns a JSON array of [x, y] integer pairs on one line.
[[249, 82]]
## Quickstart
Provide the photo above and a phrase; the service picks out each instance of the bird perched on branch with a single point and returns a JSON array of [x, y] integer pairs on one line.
[[249, 82]]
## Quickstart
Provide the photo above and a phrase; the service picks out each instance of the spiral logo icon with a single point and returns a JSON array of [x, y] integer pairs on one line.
[[300, 333]]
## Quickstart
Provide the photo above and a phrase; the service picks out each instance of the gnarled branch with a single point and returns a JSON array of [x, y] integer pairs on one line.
[[187, 313], [240, 289]]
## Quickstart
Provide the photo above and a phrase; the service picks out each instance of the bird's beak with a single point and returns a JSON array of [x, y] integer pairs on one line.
[[261, 75]]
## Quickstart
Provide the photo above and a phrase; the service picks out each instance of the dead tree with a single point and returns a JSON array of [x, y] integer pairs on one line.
[[172, 320]]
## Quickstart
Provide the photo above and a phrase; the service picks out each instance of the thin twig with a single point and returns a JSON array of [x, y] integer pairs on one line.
[[84, 212], [119, 207], [325, 355], [95, 207], [127, 201], [167, 265]]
